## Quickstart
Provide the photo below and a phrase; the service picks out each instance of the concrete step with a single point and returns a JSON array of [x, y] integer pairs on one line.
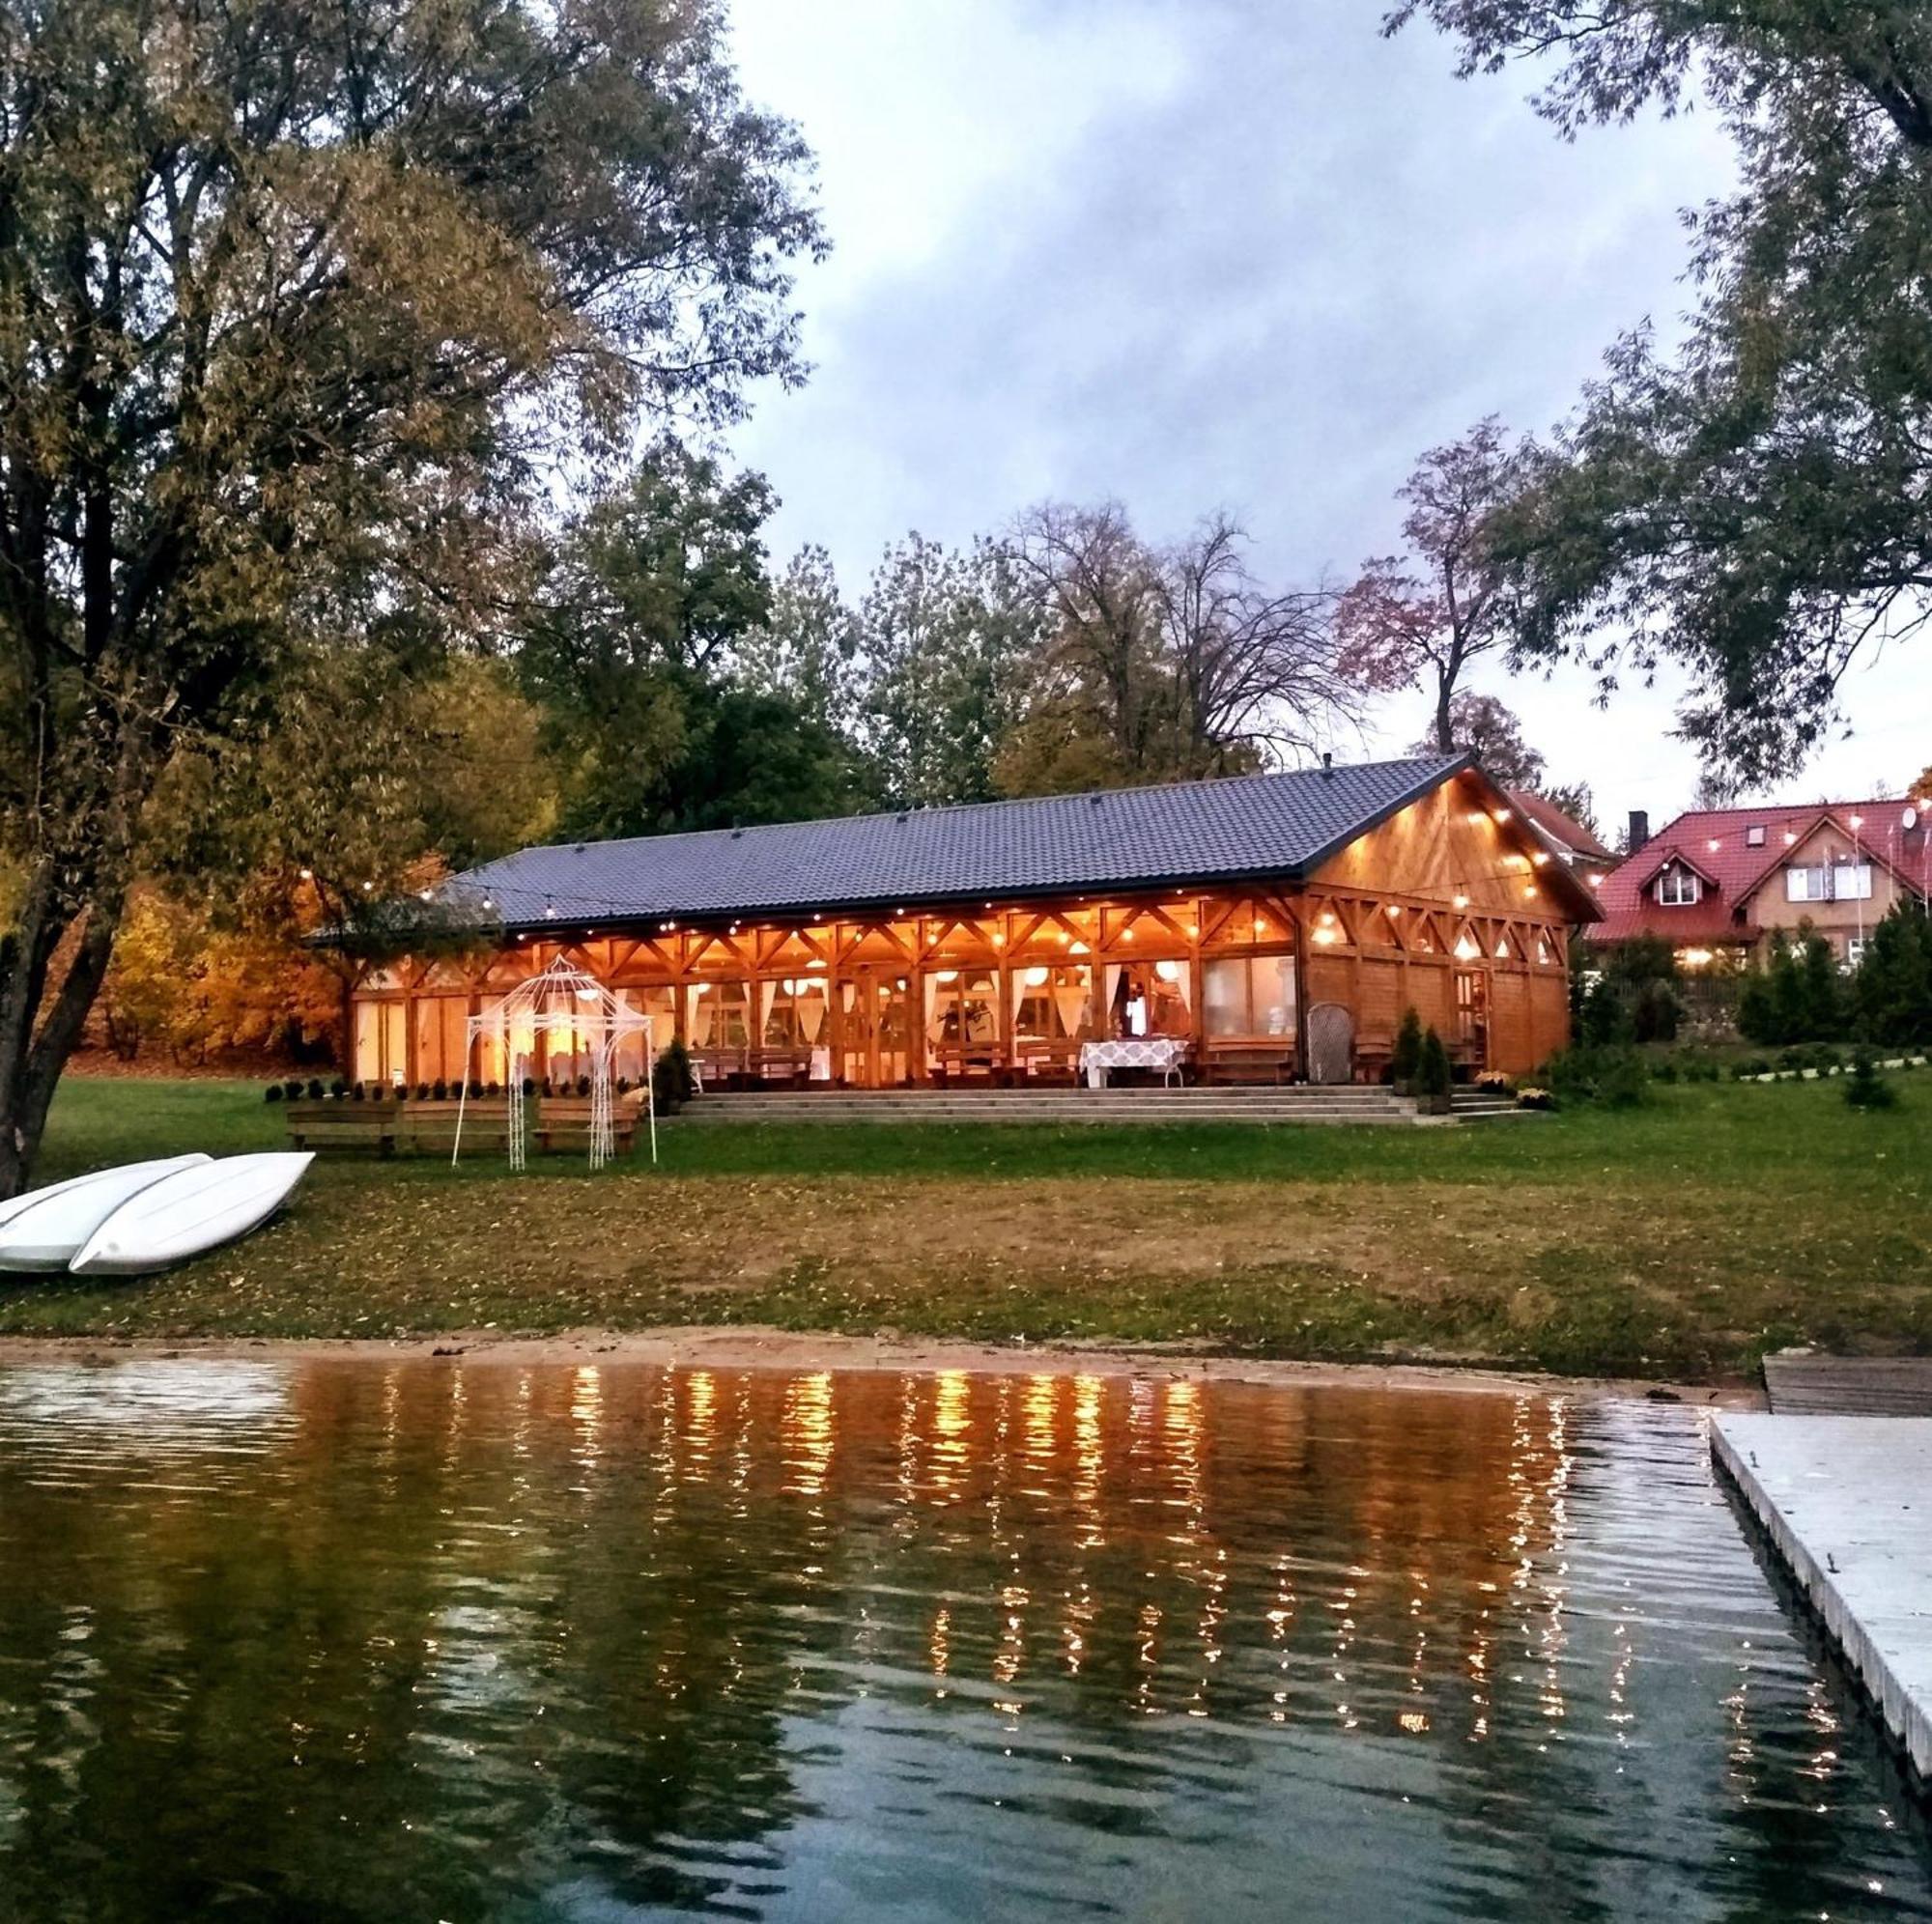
[[1057, 1106]]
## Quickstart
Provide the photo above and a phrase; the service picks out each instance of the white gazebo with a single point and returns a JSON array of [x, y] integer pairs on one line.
[[562, 1005]]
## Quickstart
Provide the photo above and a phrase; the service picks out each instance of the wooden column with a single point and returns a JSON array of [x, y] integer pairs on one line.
[[1301, 988], [1197, 1003]]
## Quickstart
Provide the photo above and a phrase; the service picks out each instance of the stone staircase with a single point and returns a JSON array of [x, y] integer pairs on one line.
[[1476, 1105], [1289, 1103]]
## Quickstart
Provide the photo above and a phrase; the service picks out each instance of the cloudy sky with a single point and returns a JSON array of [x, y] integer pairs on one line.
[[1196, 254]]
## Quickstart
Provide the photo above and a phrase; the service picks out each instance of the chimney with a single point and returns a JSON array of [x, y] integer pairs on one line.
[[1639, 831], [1327, 764]]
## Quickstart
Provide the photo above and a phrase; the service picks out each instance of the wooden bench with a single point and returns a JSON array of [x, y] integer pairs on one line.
[[1246, 1060], [368, 1127], [429, 1128], [561, 1123], [968, 1061]]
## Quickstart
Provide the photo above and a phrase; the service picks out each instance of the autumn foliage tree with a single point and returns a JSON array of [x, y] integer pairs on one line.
[[299, 305], [1419, 619]]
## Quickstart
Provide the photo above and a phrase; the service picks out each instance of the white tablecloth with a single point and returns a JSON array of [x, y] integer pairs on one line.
[[1165, 1052]]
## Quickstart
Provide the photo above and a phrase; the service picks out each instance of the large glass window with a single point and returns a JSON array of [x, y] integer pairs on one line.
[[721, 1015], [442, 1036], [1678, 889], [1248, 995], [1150, 998], [1052, 1003], [962, 1010], [794, 1012], [628, 1058]]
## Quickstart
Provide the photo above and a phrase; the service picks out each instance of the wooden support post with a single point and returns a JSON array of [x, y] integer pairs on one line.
[[1301, 989]]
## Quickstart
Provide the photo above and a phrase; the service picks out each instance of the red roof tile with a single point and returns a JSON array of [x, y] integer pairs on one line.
[[1716, 842]]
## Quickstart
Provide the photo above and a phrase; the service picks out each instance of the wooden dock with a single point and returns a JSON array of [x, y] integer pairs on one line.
[[1801, 1382], [1846, 1504]]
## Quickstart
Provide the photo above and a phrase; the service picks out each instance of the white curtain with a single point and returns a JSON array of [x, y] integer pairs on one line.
[[766, 992], [1113, 986], [1183, 982], [811, 1018]]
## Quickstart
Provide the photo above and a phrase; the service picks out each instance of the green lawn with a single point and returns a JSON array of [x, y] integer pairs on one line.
[[1683, 1239]]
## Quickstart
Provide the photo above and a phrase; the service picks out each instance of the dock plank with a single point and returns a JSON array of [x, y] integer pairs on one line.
[[1846, 1504], [1801, 1383]]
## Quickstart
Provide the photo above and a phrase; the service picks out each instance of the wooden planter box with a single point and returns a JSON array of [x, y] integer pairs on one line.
[[556, 1125]]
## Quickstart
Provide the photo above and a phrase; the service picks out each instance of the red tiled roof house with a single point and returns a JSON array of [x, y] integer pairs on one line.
[[1716, 882]]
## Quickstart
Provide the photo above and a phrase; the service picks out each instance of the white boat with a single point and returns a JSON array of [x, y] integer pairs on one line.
[[46, 1227], [189, 1212]]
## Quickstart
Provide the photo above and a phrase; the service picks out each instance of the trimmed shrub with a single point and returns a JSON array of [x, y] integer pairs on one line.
[[272, 1094], [357, 1093], [1613, 1076], [584, 1085], [1866, 1087], [1406, 1056], [339, 1089], [1531, 1098], [672, 1085], [1435, 1074]]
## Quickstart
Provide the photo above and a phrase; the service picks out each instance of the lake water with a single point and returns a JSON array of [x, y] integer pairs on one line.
[[346, 1640]]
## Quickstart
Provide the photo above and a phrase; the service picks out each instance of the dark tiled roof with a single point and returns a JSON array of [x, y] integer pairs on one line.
[[1254, 825]]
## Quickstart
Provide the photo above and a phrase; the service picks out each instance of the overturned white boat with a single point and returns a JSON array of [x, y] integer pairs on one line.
[[189, 1212], [45, 1228]]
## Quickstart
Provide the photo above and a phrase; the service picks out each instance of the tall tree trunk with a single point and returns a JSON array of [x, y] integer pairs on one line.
[[28, 1079], [79, 883], [1445, 733]]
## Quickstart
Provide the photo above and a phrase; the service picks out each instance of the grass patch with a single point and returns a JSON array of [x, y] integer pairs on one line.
[[1682, 1238]]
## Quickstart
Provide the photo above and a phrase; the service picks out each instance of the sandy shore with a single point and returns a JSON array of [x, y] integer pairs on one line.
[[791, 1350]]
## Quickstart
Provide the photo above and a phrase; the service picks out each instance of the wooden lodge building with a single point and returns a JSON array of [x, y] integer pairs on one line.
[[1278, 924]]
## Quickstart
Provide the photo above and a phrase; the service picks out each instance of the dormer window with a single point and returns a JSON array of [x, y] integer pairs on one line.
[[1754, 836], [1678, 888]]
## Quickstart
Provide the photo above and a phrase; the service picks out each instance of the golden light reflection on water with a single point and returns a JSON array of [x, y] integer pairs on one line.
[[605, 1586], [807, 1435]]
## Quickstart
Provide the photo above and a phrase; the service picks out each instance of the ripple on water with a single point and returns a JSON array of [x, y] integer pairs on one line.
[[402, 1639]]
